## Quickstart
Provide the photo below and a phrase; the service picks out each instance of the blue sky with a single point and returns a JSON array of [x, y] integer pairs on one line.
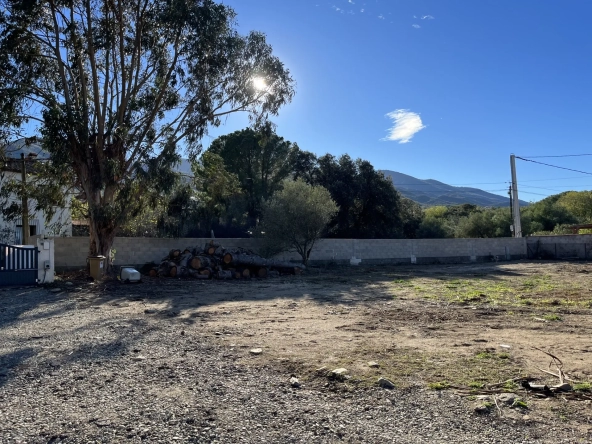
[[468, 82]]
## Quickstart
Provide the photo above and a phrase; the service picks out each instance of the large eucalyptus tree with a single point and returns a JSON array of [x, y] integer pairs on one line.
[[115, 88]]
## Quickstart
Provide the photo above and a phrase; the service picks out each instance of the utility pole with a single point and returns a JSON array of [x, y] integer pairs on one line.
[[511, 207], [515, 201], [25, 202]]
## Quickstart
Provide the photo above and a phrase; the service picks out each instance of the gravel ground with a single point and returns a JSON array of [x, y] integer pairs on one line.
[[80, 369]]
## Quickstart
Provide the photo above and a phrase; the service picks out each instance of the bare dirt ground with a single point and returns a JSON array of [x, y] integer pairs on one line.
[[452, 327]]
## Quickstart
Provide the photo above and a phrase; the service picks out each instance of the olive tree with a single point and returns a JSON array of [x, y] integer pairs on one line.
[[114, 89], [295, 217]]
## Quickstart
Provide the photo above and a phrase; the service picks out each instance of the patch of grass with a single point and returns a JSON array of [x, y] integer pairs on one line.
[[543, 290], [583, 387], [442, 385], [503, 355], [510, 386], [476, 385], [552, 317], [484, 355], [488, 404], [520, 404]]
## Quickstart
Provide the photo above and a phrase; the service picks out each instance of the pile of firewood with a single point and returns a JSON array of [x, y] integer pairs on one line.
[[214, 261]]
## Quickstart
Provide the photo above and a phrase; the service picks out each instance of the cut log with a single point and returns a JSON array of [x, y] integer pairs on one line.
[[167, 269], [273, 273], [174, 254], [261, 272], [153, 272], [185, 259], [195, 274], [206, 272], [201, 262], [237, 274], [224, 274], [211, 249]]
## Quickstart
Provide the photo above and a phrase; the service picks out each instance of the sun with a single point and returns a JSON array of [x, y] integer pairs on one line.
[[259, 83]]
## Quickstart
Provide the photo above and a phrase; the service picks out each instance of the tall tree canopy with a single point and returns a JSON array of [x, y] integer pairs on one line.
[[116, 86], [260, 159], [369, 205]]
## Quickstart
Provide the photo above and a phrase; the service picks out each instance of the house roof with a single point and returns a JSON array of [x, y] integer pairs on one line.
[[26, 146], [12, 155]]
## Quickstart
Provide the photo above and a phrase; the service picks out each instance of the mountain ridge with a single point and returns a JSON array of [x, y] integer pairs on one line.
[[431, 192]]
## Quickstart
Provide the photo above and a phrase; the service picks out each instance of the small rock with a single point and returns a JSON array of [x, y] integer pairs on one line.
[[385, 383], [139, 358], [69, 284], [149, 311], [526, 417], [55, 290], [482, 409], [256, 351], [339, 374], [294, 382], [218, 333], [484, 398], [103, 422], [321, 370], [182, 332], [507, 398], [505, 346], [373, 364]]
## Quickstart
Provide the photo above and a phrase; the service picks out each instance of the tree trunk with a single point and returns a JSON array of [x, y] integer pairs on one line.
[[102, 236]]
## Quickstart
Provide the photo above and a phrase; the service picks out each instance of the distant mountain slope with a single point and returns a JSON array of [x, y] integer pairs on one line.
[[431, 192]]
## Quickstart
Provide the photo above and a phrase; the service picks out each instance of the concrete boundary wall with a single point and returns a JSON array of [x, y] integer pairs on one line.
[[71, 252], [570, 246]]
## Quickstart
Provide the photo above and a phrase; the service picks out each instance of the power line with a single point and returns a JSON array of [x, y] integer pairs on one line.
[[530, 192], [563, 155], [553, 166]]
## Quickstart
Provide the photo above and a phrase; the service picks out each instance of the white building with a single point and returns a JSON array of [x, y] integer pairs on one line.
[[10, 170]]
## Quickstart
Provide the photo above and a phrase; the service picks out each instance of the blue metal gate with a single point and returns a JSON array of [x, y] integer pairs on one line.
[[18, 265]]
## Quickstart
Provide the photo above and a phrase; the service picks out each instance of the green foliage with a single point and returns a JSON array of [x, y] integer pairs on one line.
[[582, 387], [442, 385], [259, 160], [434, 228], [219, 194], [369, 205], [578, 203], [295, 217], [120, 85], [411, 215]]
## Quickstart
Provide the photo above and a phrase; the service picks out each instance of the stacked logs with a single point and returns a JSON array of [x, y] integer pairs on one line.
[[214, 261]]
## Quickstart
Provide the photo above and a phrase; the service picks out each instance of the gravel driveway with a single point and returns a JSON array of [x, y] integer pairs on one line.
[[78, 368]]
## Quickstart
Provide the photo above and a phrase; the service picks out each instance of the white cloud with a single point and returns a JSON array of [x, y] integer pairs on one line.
[[427, 17], [416, 26], [381, 17], [361, 10], [406, 125], [350, 1]]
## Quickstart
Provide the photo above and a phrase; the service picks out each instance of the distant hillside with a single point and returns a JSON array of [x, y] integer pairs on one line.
[[431, 192]]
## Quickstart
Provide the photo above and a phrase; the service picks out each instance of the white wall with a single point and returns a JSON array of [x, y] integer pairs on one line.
[[59, 225]]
